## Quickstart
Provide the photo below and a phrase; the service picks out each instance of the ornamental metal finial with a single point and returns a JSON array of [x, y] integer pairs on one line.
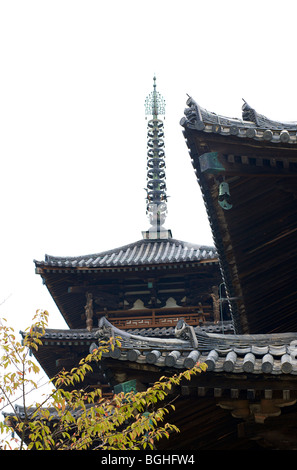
[[155, 103], [156, 201]]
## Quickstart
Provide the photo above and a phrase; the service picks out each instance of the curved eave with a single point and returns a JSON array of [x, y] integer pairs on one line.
[[262, 129], [138, 260], [272, 354], [259, 231], [251, 351], [141, 253]]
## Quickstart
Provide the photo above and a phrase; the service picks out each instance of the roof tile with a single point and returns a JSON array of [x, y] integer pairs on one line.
[[138, 253]]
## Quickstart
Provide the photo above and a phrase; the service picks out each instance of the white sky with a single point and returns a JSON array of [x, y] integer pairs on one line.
[[74, 77]]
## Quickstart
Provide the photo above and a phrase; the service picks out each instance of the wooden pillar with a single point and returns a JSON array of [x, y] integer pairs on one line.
[[154, 319], [89, 311], [215, 303]]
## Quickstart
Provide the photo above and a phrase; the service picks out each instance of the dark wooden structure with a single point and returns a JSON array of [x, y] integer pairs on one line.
[[144, 287], [147, 284], [255, 159]]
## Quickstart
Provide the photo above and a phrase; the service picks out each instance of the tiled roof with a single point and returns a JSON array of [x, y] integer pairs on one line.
[[256, 157], [252, 125], [139, 253], [273, 354], [257, 354], [85, 335], [169, 331]]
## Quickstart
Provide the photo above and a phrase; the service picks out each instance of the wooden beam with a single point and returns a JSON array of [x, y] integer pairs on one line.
[[216, 163], [147, 311]]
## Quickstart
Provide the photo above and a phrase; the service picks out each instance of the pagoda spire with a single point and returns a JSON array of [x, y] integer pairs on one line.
[[156, 201]]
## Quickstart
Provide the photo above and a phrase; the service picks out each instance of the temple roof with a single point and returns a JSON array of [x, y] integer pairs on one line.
[[247, 172], [108, 274], [141, 252], [273, 354], [249, 378], [252, 125]]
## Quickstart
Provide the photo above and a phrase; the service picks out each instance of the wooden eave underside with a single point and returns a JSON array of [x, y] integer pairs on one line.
[[68, 286], [256, 239]]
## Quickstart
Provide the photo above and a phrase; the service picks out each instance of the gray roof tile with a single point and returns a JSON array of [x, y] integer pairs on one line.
[[252, 125], [273, 354], [138, 253]]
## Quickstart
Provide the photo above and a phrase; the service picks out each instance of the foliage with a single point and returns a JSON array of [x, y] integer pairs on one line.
[[72, 417]]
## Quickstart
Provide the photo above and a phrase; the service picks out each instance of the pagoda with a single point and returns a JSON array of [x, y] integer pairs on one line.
[[142, 288], [169, 300]]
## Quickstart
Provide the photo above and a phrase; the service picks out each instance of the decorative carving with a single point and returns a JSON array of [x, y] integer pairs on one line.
[[215, 303], [185, 331]]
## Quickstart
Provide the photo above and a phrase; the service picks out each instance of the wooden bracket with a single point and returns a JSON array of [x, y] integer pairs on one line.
[[258, 411]]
